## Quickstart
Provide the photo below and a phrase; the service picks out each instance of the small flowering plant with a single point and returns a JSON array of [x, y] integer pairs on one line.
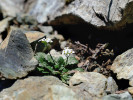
[[67, 52], [57, 66], [46, 42]]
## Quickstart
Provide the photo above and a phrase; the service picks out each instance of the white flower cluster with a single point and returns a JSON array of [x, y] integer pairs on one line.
[[67, 52], [48, 40]]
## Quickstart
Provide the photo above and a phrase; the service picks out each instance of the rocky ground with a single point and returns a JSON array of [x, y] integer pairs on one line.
[[98, 31]]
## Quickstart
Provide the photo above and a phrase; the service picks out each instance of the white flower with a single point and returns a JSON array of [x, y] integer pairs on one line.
[[48, 40], [67, 52]]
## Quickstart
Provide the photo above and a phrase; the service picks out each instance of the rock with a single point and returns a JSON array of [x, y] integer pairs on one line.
[[123, 65], [130, 90], [33, 36], [16, 56], [54, 53], [38, 88], [1, 40], [46, 29], [91, 85], [12, 7], [44, 9], [111, 86], [95, 12], [25, 27], [58, 92], [4, 24], [56, 36], [63, 44], [123, 96], [25, 19]]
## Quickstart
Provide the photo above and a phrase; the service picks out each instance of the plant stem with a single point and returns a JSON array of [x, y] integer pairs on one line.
[[35, 48], [45, 48], [66, 61], [52, 58]]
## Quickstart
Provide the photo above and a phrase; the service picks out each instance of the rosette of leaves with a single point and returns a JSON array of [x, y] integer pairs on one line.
[[56, 66]]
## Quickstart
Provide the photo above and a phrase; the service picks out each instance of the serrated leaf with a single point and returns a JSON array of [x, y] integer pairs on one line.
[[72, 61]]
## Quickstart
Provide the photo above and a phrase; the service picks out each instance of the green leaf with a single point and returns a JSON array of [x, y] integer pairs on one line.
[[61, 68], [56, 72], [79, 69], [49, 59], [72, 61], [56, 66], [65, 70], [40, 69], [49, 68], [40, 57], [60, 61], [65, 77], [63, 80], [44, 42], [45, 72], [43, 64]]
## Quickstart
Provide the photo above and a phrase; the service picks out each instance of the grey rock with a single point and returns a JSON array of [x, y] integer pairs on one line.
[[63, 44], [56, 54], [58, 92], [46, 29], [34, 36], [130, 90], [123, 96], [16, 56], [4, 24], [86, 10], [11, 7], [91, 10], [39, 88], [1, 40], [90, 85], [44, 9], [111, 86], [95, 12], [123, 65], [25, 19]]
